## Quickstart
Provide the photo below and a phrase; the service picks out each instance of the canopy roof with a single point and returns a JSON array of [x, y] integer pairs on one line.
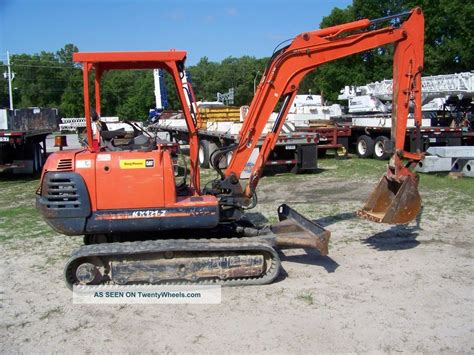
[[129, 60]]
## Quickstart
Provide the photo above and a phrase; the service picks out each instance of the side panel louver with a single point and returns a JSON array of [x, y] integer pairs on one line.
[[65, 165]]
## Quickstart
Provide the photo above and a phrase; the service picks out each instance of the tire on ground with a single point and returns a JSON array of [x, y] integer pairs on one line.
[[206, 148], [34, 155], [380, 152], [365, 147]]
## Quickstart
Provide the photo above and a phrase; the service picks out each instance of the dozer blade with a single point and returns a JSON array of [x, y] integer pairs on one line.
[[296, 231], [393, 202]]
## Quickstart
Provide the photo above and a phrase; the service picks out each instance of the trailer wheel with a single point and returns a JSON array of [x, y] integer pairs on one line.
[[380, 151], [39, 157], [33, 155], [206, 149], [365, 146]]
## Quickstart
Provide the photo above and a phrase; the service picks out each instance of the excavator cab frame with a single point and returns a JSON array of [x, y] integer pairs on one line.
[[172, 61]]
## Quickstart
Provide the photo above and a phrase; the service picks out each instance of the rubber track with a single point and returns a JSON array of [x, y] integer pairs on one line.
[[187, 245]]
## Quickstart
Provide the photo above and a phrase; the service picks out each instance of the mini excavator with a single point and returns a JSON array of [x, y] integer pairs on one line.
[[141, 226]]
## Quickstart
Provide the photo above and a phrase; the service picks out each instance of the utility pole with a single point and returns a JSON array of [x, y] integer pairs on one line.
[[10, 76], [255, 82]]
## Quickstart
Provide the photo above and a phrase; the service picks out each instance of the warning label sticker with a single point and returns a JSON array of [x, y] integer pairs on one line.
[[137, 163]]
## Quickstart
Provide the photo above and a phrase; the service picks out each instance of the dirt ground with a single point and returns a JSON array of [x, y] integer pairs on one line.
[[381, 289]]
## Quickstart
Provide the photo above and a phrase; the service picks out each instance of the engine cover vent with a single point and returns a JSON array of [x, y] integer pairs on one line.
[[65, 165]]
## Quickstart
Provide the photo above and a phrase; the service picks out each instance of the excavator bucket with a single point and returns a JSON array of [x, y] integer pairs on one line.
[[393, 202]]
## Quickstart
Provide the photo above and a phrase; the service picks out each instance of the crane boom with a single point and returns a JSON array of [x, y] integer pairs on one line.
[[434, 86]]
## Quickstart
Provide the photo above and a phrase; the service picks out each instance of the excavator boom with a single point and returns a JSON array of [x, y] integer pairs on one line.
[[308, 51]]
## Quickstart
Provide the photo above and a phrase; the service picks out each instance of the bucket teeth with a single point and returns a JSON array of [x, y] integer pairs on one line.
[[393, 202]]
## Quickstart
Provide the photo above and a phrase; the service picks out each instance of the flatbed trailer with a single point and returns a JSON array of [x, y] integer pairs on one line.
[[297, 150], [332, 138], [368, 141], [23, 135]]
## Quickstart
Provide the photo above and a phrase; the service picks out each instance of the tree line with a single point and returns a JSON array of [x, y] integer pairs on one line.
[[52, 79]]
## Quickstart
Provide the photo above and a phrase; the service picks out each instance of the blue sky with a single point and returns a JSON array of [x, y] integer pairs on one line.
[[216, 29]]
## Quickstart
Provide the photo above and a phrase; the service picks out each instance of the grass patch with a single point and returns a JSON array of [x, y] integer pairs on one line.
[[19, 218], [353, 167], [18, 215], [306, 298], [440, 181], [372, 168], [438, 190]]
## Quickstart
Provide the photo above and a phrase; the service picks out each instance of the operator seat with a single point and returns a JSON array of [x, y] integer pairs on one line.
[[110, 140], [117, 140]]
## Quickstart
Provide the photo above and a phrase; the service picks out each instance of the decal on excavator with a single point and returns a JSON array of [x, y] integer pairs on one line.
[[103, 157], [137, 163], [156, 213], [84, 164]]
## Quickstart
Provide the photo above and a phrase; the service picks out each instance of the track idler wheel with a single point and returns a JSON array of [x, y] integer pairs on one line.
[[86, 271]]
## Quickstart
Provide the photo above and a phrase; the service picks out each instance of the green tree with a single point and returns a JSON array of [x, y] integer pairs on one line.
[[65, 54], [209, 78], [42, 79], [72, 96]]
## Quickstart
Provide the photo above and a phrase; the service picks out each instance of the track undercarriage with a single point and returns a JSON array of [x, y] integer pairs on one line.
[[245, 260]]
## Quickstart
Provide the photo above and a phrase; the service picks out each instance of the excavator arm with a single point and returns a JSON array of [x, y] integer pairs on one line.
[[305, 53]]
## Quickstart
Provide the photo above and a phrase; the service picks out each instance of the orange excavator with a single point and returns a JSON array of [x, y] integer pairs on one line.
[[141, 226]]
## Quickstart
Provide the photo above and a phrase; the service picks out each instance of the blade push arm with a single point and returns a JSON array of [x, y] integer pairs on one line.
[[309, 50]]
